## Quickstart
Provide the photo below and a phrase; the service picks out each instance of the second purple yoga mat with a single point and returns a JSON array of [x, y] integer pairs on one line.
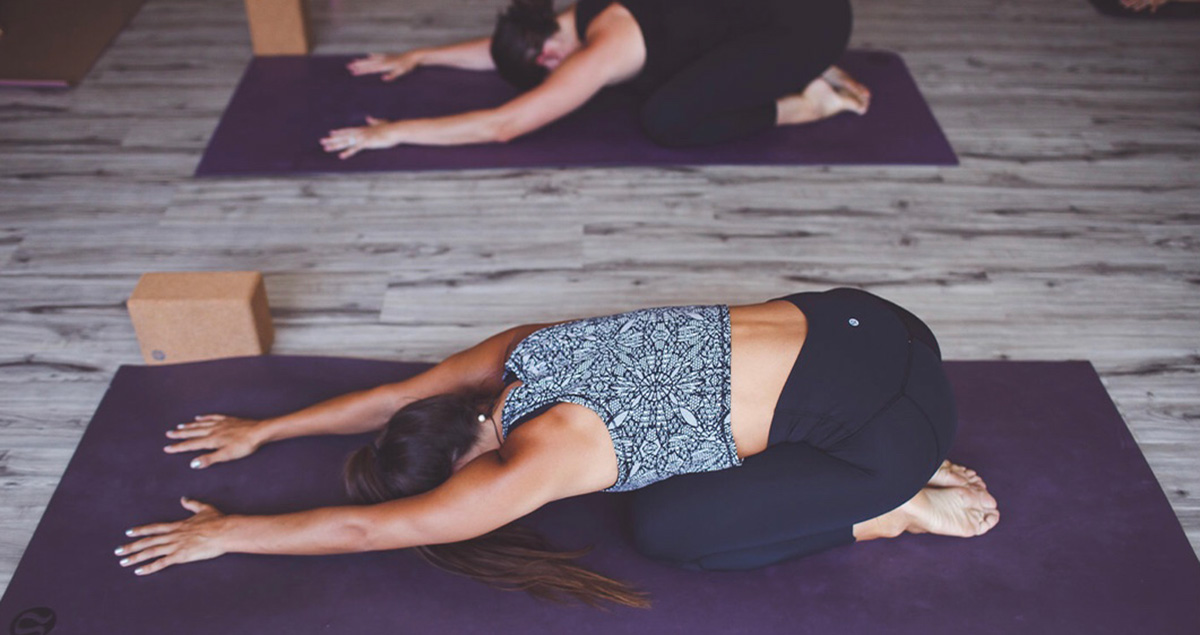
[[284, 105], [1087, 542]]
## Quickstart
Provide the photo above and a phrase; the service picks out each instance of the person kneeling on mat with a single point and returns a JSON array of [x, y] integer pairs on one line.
[[710, 70], [749, 435]]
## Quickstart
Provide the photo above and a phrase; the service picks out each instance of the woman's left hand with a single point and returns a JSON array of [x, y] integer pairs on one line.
[[165, 544], [348, 142]]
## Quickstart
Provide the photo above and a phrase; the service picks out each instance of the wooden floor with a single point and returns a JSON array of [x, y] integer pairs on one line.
[[1070, 231]]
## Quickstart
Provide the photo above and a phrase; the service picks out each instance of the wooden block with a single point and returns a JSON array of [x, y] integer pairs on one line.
[[56, 42], [278, 27], [191, 316]]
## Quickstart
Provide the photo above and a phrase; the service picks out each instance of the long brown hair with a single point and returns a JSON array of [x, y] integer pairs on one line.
[[416, 452]]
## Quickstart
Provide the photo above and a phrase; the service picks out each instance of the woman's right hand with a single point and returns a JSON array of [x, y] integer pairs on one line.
[[390, 66], [231, 438]]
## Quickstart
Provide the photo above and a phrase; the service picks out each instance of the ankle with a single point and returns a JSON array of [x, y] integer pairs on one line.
[[889, 525], [789, 109]]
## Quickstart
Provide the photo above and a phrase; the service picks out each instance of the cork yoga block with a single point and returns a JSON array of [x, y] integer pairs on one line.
[[278, 27], [191, 316]]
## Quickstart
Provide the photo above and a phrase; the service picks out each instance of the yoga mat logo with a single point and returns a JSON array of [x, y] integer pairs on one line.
[[35, 621]]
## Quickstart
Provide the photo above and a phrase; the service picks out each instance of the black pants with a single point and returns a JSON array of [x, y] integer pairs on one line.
[[730, 92], [865, 419]]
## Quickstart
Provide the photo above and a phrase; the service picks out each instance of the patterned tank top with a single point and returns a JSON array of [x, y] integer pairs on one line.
[[659, 378]]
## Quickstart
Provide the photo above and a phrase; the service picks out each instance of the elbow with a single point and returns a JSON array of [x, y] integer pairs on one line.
[[358, 534], [504, 134], [389, 398], [368, 529], [506, 129]]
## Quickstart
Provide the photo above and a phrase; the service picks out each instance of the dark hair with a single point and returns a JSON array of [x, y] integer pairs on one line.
[[521, 31], [416, 452]]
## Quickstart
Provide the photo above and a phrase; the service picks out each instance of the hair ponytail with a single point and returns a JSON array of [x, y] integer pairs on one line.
[[364, 480], [521, 31], [515, 558], [416, 452]]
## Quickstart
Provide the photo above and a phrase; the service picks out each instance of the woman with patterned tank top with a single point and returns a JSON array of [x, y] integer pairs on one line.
[[749, 434], [708, 71]]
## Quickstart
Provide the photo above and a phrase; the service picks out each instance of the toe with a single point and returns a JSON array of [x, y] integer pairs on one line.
[[989, 521]]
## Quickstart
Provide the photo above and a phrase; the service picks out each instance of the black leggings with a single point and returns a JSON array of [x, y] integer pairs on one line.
[[865, 419], [730, 91]]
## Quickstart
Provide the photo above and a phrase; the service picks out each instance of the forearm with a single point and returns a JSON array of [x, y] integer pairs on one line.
[[473, 55], [327, 530], [480, 126], [353, 413], [480, 367]]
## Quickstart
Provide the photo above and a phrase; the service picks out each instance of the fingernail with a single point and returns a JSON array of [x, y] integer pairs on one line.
[[129, 532], [196, 464], [140, 571], [166, 448], [118, 551], [124, 562], [180, 426]]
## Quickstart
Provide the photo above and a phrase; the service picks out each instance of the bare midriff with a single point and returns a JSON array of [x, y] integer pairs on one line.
[[766, 340]]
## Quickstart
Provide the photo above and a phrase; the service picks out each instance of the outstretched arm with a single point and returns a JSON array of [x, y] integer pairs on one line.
[[472, 55], [479, 367], [604, 61], [491, 491]]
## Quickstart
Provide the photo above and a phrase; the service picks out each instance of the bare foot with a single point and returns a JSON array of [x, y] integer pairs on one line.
[[947, 511], [951, 511], [850, 88], [955, 475], [819, 100]]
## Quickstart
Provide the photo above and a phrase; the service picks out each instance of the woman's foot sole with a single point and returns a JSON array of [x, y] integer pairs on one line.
[[849, 88], [951, 511], [822, 99], [955, 502]]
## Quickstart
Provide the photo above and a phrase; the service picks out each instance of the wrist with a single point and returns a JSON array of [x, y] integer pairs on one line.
[[392, 133], [268, 430], [416, 57], [230, 536]]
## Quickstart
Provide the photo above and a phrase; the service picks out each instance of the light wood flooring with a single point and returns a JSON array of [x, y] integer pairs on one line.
[[1070, 231]]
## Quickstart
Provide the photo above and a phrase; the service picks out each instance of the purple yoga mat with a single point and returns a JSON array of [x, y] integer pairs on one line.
[[284, 105], [1087, 543]]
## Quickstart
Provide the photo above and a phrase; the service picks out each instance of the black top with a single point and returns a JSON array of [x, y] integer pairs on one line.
[[676, 32]]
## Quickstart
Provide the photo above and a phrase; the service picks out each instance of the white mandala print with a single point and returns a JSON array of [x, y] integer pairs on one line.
[[659, 378]]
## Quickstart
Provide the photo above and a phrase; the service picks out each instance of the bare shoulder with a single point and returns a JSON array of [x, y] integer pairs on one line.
[[614, 16], [569, 443], [615, 37]]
